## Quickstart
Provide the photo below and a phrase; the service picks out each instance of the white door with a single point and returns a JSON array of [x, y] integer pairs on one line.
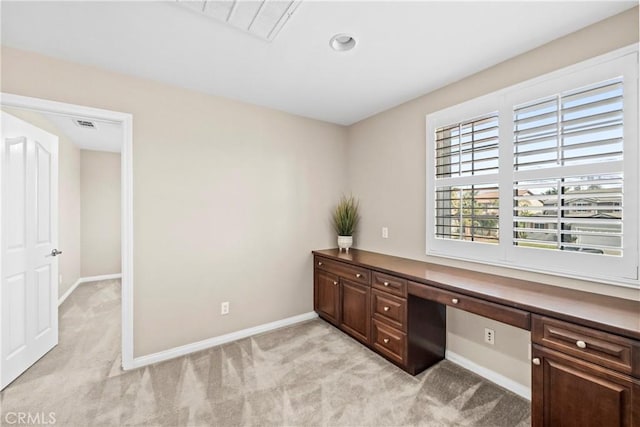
[[29, 238]]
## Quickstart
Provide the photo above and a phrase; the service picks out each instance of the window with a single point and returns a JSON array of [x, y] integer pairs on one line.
[[578, 212], [542, 175], [464, 150]]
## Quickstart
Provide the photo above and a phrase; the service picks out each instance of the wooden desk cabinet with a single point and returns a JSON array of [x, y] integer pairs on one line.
[[342, 295], [585, 349], [374, 309], [585, 372]]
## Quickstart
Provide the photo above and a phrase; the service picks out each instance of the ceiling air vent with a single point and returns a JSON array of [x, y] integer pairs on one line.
[[86, 124], [261, 18]]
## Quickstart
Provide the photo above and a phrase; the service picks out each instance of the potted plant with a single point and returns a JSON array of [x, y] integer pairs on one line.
[[345, 221]]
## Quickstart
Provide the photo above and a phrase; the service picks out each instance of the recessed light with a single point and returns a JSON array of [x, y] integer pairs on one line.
[[342, 42]]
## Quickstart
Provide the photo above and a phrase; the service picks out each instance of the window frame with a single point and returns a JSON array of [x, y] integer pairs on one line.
[[622, 271]]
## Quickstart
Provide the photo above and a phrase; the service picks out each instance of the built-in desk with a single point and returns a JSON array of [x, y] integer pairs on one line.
[[585, 347]]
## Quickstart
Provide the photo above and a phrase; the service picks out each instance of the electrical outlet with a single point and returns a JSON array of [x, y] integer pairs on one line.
[[224, 308], [489, 336], [385, 233], [60, 279]]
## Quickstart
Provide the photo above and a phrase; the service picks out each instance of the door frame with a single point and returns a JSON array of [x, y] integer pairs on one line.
[[126, 185]]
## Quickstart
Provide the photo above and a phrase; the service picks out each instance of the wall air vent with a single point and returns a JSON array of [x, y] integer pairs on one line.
[[261, 18], [86, 124]]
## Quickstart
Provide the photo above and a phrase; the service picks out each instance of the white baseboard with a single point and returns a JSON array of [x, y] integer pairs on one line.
[[86, 280], [501, 380], [103, 277], [172, 353], [68, 292]]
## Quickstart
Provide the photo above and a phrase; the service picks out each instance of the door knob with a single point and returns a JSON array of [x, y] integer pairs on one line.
[[536, 361], [55, 252]]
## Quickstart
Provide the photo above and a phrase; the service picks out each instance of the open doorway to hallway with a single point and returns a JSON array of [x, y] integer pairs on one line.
[[93, 236]]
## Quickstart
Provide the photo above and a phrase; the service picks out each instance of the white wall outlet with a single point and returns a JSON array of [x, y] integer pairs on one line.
[[385, 233], [224, 308], [60, 279], [489, 336]]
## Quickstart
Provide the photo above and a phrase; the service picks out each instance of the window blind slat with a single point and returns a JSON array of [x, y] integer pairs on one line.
[[573, 128], [467, 148], [577, 213]]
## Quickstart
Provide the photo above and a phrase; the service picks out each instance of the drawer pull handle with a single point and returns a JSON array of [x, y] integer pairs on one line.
[[536, 361], [335, 283], [581, 344], [358, 275], [386, 340], [455, 300], [386, 283], [319, 263], [386, 308]]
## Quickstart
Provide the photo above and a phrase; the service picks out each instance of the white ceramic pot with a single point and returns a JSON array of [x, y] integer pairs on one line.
[[345, 242]]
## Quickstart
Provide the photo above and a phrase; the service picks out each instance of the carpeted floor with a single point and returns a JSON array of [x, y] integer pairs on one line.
[[305, 375]]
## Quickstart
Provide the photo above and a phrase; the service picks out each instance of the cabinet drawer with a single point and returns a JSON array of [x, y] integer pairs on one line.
[[391, 284], [348, 271], [389, 341], [389, 309], [511, 316], [602, 348]]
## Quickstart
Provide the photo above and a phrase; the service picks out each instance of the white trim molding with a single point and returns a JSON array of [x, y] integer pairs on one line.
[[86, 280], [183, 350], [102, 277], [611, 254], [499, 379], [126, 156], [69, 291]]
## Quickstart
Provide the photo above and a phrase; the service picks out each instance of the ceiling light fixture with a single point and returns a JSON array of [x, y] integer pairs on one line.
[[342, 42]]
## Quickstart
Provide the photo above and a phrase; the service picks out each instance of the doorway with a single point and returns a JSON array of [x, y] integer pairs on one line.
[[124, 122]]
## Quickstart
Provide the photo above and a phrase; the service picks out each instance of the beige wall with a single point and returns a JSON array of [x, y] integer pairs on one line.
[[68, 198], [229, 199], [100, 218], [394, 142]]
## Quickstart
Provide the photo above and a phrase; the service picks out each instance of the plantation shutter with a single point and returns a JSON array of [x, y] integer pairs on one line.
[[466, 193], [568, 170]]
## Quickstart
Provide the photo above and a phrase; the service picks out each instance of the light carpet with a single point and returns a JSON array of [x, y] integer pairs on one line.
[[309, 374]]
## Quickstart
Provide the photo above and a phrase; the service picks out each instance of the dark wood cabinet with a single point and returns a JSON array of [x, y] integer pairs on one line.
[[327, 296], [354, 306], [585, 347], [342, 296], [568, 392], [582, 376], [372, 307]]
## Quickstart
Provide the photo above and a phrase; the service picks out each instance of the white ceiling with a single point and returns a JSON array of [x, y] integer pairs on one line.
[[405, 49], [107, 136]]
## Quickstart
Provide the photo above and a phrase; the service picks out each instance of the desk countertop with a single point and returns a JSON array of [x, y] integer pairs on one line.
[[607, 313]]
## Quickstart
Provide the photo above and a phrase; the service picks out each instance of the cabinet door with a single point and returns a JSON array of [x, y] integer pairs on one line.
[[355, 306], [327, 296], [571, 392]]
